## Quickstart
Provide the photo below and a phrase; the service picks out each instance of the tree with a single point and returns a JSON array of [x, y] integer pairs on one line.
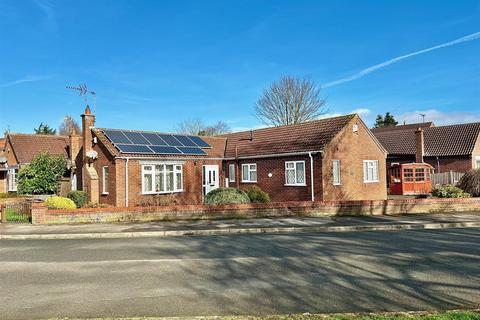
[[197, 127], [386, 121], [68, 124], [290, 100], [41, 175], [45, 129]]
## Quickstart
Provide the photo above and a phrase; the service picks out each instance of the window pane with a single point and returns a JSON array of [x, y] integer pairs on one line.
[[105, 179], [336, 172], [147, 182], [300, 172], [231, 172], [169, 167], [147, 168], [253, 175], [178, 181], [158, 181], [244, 173], [169, 181], [290, 176], [290, 165]]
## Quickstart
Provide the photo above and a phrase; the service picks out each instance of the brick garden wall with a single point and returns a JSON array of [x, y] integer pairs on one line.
[[40, 215]]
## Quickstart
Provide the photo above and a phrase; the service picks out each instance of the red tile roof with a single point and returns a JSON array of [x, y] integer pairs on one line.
[[308, 136], [412, 126], [27, 146], [453, 140]]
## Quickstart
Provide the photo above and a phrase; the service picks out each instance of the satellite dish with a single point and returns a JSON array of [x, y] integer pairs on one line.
[[92, 154]]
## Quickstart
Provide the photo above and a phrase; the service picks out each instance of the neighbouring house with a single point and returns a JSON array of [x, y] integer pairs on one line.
[[20, 149], [3, 167], [446, 148], [329, 159]]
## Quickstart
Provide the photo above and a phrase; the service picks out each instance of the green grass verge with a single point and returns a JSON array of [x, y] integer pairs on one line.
[[448, 315]]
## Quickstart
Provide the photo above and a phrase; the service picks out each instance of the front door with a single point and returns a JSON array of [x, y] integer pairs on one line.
[[210, 179]]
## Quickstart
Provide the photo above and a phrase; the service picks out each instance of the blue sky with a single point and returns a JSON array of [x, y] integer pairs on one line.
[[155, 63]]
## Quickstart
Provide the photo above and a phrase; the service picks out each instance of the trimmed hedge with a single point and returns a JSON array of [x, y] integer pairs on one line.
[[79, 197], [257, 195], [60, 203], [226, 196]]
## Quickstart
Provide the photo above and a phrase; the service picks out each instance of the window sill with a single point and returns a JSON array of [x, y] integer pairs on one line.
[[249, 181], [295, 185], [337, 184], [166, 192], [371, 181], [105, 193]]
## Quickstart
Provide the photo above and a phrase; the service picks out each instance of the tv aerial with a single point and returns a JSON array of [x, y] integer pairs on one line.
[[84, 92]]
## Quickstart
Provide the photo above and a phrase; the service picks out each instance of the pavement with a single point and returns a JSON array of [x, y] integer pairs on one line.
[[255, 274], [12, 231]]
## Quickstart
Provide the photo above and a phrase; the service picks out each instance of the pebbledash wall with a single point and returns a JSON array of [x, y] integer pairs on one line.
[[41, 215]]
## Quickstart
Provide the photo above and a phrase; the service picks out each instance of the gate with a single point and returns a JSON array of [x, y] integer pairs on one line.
[[17, 212]]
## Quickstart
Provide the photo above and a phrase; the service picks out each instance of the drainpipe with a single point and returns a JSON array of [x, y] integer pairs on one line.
[[126, 182], [311, 175]]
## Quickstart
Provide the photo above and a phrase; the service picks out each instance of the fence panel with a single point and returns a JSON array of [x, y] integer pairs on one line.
[[18, 212], [446, 178]]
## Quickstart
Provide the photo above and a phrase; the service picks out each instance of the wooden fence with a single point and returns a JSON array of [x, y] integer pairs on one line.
[[446, 178]]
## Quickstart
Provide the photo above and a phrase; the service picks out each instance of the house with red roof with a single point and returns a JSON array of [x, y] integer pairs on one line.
[[329, 159]]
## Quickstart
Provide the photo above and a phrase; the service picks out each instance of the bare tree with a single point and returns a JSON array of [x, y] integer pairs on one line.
[[197, 127], [68, 124], [290, 100]]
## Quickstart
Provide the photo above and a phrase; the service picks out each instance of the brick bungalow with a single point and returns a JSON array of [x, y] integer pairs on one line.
[[20, 149], [335, 158], [446, 148]]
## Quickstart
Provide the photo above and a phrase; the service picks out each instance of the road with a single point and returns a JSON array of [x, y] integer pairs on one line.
[[245, 274]]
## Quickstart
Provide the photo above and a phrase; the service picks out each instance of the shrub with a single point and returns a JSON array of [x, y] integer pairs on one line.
[[226, 196], [449, 191], [257, 195], [41, 175], [470, 182], [5, 195], [79, 197], [60, 203]]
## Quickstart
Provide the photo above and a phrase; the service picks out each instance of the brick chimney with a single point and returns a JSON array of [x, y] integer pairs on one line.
[[88, 122], [420, 145], [75, 141]]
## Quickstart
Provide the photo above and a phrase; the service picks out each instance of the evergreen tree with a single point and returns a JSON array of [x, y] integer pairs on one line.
[[386, 121]]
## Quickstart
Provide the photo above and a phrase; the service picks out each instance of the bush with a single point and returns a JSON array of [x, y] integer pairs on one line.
[[449, 191], [79, 197], [42, 174], [5, 195], [158, 200], [60, 203], [257, 195], [470, 182], [226, 196]]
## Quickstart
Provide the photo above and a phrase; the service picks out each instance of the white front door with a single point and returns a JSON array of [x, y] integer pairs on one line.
[[210, 180]]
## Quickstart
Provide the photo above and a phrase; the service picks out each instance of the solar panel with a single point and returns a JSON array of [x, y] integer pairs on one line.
[[170, 140], [192, 150], [186, 141], [136, 137], [165, 150], [154, 139], [117, 137], [199, 142], [134, 148]]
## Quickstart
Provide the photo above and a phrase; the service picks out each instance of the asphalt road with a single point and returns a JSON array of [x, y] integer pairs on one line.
[[245, 274]]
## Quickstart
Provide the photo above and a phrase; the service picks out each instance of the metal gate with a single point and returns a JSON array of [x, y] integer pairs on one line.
[[17, 212]]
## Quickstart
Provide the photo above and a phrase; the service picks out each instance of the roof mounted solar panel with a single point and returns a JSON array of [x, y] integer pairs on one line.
[[199, 142], [136, 137], [117, 137], [192, 150], [134, 148], [186, 141], [154, 139], [165, 150], [170, 140]]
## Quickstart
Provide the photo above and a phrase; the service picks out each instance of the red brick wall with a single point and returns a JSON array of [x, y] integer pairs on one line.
[[105, 159], [275, 185], [446, 164]]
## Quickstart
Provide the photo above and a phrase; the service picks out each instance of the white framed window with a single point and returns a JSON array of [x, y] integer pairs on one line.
[[12, 180], [162, 178], [249, 172], [105, 174], [477, 162], [295, 173], [370, 171], [337, 178], [231, 172]]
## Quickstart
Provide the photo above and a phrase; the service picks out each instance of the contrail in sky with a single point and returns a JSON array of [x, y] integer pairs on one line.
[[364, 72]]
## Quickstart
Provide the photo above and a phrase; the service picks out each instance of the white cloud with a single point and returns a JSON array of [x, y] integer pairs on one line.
[[438, 117], [26, 79], [366, 71], [364, 112]]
